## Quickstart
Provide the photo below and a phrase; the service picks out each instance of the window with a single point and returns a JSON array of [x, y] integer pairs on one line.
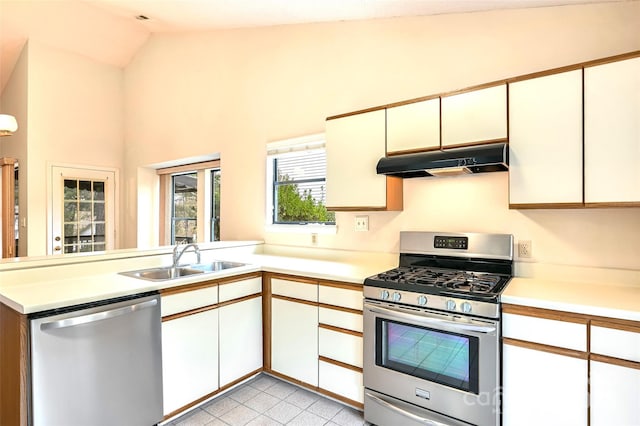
[[296, 172], [190, 196]]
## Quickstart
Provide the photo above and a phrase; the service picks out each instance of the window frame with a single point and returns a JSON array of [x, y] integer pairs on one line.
[[205, 204], [280, 149]]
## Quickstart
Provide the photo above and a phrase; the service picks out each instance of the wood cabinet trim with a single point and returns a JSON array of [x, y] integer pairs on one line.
[[14, 341], [190, 312], [292, 380], [296, 278], [340, 284], [612, 204], [394, 199], [266, 321], [617, 324], [476, 143], [340, 330], [236, 278], [340, 364], [239, 300], [340, 308], [294, 300], [188, 287], [530, 206], [530, 311], [545, 348], [614, 361], [413, 151]]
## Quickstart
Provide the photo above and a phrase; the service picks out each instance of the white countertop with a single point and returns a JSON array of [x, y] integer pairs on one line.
[[605, 299], [30, 290], [45, 284]]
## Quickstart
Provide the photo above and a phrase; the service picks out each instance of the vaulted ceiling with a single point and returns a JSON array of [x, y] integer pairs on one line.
[[112, 31]]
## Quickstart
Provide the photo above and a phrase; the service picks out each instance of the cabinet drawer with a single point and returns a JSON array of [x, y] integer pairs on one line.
[[340, 297], [341, 381], [623, 344], [338, 346], [296, 289], [340, 319], [545, 331], [237, 289], [185, 301]]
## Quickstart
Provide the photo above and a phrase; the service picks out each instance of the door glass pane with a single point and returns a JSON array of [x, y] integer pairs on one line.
[[84, 216], [185, 207]]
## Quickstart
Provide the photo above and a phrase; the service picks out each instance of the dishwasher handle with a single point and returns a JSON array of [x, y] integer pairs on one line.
[[97, 316]]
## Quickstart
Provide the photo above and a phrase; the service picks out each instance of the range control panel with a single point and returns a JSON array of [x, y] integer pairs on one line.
[[456, 243]]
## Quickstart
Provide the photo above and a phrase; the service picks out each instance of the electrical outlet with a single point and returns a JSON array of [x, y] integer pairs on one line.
[[314, 238], [362, 223], [524, 249]]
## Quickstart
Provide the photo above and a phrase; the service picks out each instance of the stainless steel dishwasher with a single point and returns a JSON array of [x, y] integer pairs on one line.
[[97, 364]]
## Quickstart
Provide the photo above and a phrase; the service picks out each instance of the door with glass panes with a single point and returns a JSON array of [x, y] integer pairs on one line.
[[83, 206]]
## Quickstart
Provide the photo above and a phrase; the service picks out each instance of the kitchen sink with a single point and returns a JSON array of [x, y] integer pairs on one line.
[[162, 273], [165, 273], [216, 265]]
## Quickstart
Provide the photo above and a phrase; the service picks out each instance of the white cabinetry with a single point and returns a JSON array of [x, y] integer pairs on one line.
[[354, 144], [544, 368], [615, 374], [545, 141], [612, 132], [475, 116], [414, 126], [340, 341], [294, 329], [189, 348], [240, 332]]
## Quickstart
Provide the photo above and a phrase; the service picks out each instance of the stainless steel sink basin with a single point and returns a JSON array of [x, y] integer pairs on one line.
[[169, 273], [162, 273], [216, 265]]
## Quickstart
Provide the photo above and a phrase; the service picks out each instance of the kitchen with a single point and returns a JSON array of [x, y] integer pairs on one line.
[[429, 54]]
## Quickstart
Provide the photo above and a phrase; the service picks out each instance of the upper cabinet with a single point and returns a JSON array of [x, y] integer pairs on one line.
[[612, 132], [414, 126], [475, 116], [545, 141], [354, 144]]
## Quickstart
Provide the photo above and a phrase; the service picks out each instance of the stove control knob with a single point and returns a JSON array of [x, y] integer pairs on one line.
[[466, 307], [451, 305], [384, 294], [422, 300], [397, 296]]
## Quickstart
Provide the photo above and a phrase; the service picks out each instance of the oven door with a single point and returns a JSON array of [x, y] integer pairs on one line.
[[442, 362]]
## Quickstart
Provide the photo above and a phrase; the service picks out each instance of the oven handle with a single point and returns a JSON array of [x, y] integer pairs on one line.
[[402, 412], [428, 319]]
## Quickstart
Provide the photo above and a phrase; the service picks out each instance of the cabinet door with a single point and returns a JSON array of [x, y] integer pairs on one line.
[[294, 340], [342, 381], [240, 339], [189, 358], [612, 132], [542, 388], [354, 145], [475, 116], [545, 140], [414, 127], [615, 395]]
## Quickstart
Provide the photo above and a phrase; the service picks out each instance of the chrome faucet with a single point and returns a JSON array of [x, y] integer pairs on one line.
[[177, 254]]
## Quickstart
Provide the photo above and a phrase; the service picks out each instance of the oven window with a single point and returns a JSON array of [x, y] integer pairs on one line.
[[447, 358]]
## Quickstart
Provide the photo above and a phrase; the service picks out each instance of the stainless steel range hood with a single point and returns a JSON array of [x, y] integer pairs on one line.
[[448, 162]]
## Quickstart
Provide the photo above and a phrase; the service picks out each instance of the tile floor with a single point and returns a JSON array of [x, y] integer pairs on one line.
[[267, 401]]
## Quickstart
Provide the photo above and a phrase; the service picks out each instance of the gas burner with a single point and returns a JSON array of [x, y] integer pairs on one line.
[[459, 281]]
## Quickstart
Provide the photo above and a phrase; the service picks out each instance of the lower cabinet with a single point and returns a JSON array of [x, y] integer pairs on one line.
[[294, 340], [554, 375], [240, 339], [543, 388], [189, 358]]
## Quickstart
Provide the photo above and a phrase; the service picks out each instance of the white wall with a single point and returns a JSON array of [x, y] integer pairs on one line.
[[230, 92], [14, 102], [74, 117]]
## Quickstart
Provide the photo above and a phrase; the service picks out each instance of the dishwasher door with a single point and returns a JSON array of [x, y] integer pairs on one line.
[[99, 365]]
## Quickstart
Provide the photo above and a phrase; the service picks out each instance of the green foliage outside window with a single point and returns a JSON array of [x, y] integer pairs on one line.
[[298, 206]]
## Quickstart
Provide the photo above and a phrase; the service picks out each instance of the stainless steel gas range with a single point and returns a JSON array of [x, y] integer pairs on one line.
[[432, 331]]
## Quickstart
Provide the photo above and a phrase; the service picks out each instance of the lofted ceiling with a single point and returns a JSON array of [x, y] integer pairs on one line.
[[108, 30]]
